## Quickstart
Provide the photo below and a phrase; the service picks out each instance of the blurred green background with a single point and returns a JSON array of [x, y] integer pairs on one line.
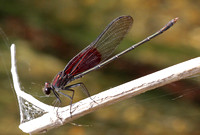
[[48, 34]]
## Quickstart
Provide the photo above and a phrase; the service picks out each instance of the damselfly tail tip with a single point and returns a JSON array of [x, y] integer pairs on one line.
[[175, 19]]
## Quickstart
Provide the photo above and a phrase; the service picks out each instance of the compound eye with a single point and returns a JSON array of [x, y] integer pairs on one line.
[[47, 88], [47, 91]]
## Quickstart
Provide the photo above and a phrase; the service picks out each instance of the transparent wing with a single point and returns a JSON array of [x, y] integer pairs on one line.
[[99, 50], [113, 34]]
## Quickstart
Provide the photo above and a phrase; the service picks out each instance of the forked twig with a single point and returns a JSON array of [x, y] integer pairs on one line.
[[53, 118]]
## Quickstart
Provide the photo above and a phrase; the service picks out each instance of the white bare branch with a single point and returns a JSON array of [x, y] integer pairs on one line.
[[57, 118]]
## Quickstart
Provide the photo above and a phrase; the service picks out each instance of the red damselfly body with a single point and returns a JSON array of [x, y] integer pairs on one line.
[[96, 55]]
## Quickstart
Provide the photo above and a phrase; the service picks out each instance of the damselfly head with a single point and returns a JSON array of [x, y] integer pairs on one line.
[[47, 88]]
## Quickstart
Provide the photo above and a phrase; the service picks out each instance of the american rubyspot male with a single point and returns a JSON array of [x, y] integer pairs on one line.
[[95, 56]]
